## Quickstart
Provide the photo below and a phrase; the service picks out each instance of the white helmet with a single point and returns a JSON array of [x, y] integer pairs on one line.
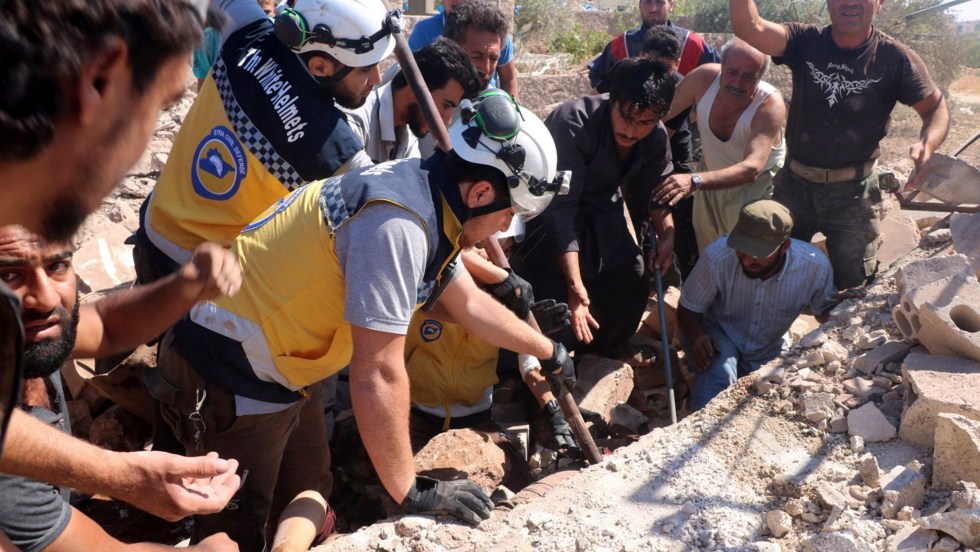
[[493, 130], [357, 33]]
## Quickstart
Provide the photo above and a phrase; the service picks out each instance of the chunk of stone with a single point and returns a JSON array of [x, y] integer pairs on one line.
[[628, 420], [856, 442], [602, 384], [899, 236], [902, 487], [869, 471], [962, 525], [816, 406], [831, 497], [859, 387], [952, 330], [463, 453], [934, 385], [794, 507], [650, 322], [838, 541], [965, 230], [909, 539], [412, 526], [950, 179], [965, 496], [813, 358], [892, 351], [779, 523], [838, 424], [956, 456], [813, 339], [870, 424], [924, 271], [833, 351], [946, 544]]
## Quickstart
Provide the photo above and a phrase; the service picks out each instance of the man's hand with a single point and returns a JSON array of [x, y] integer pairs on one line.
[[219, 542], [559, 369], [703, 350], [514, 293], [462, 498], [174, 487], [920, 152], [561, 429], [551, 316], [662, 257], [582, 320], [212, 272], [675, 188]]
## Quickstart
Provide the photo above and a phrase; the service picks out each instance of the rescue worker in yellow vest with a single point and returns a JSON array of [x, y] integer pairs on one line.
[[331, 276]]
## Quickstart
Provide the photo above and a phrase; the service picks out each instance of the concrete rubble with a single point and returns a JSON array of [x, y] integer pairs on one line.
[[602, 385], [934, 385], [962, 525], [956, 455], [463, 453], [965, 232], [870, 424]]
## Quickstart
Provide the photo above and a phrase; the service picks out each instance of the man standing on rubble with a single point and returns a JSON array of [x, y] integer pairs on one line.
[[694, 50], [334, 272], [741, 139], [744, 294], [580, 250], [264, 122], [36, 515], [84, 91], [847, 78]]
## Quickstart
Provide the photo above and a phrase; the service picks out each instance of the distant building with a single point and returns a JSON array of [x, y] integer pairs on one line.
[[968, 27]]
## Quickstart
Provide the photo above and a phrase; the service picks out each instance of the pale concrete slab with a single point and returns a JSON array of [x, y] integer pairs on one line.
[[899, 236], [602, 384], [965, 228], [951, 180], [870, 424], [962, 525], [891, 351], [924, 271], [934, 385], [957, 453]]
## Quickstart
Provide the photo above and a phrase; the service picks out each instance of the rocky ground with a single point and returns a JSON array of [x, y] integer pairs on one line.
[[775, 463]]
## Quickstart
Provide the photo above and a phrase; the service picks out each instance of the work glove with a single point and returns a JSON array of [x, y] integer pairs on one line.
[[558, 369], [552, 317], [461, 498], [561, 429], [515, 294]]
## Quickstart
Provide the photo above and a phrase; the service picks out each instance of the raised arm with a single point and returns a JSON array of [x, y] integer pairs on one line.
[[766, 36], [125, 319], [689, 90]]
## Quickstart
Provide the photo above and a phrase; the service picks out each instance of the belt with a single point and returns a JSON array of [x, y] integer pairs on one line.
[[830, 176]]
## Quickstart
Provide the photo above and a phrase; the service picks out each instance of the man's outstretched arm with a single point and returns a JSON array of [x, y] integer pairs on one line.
[[934, 112], [165, 485], [765, 36]]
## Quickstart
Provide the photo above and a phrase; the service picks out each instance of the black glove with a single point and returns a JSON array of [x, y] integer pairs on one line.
[[559, 369], [515, 294], [561, 429], [462, 498], [552, 317]]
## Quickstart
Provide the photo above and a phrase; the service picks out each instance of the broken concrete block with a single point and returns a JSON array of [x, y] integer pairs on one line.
[[965, 496], [939, 236], [899, 235], [816, 406], [463, 453], [902, 487], [838, 424], [940, 293], [650, 322], [962, 525], [950, 179], [924, 271], [872, 340], [892, 351], [831, 497], [946, 544], [838, 541], [965, 229], [813, 358], [870, 424], [860, 387], [957, 453], [105, 262], [869, 471], [833, 351], [911, 539], [802, 326], [813, 339], [936, 384], [602, 384], [953, 330], [779, 523], [628, 420]]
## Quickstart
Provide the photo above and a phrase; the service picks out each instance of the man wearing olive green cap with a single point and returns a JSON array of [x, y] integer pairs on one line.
[[744, 293]]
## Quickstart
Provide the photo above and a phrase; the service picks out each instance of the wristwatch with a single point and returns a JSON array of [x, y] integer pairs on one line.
[[697, 181]]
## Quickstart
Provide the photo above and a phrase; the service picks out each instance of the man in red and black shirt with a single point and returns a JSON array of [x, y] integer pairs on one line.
[[694, 50]]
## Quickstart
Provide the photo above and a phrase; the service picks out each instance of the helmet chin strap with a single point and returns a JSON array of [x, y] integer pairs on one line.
[[338, 76], [492, 207]]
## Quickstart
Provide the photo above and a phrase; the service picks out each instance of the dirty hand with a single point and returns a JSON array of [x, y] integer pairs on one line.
[[675, 188], [515, 294], [213, 271], [174, 487], [703, 350], [551, 316], [462, 498], [582, 320], [561, 429], [559, 369], [663, 257], [218, 542], [920, 153]]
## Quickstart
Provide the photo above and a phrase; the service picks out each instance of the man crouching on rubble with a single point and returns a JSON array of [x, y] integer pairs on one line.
[[744, 293], [36, 515], [332, 275]]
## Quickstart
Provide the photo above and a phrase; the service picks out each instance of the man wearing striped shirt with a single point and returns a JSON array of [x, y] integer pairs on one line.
[[744, 293]]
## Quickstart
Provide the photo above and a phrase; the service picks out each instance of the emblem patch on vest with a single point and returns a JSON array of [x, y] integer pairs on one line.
[[430, 330], [219, 165]]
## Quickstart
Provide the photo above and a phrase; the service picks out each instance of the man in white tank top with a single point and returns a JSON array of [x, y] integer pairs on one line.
[[742, 141]]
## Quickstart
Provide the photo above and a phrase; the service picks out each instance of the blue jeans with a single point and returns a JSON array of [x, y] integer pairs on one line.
[[725, 368]]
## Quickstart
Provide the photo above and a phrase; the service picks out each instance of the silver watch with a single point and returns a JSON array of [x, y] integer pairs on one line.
[[697, 180]]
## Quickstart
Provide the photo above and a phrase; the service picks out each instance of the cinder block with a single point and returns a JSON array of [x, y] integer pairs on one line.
[[957, 454], [953, 330], [934, 385], [939, 293], [924, 271]]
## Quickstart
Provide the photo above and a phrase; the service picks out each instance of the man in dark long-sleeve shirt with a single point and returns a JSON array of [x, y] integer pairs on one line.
[[581, 250]]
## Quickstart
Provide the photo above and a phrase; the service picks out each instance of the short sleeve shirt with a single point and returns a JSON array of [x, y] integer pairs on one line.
[[429, 29], [755, 313], [843, 99]]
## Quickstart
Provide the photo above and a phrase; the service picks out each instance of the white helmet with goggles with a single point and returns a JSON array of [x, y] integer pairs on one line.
[[493, 130], [357, 33]]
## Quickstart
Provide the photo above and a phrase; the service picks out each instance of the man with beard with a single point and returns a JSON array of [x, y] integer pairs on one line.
[[741, 119], [390, 122], [84, 85], [480, 28], [265, 122], [743, 295], [35, 515], [694, 50]]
